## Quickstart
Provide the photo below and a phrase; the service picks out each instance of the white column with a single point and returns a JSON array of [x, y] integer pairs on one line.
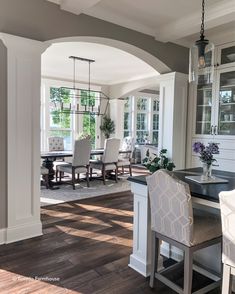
[[117, 115], [140, 259], [173, 115], [23, 137]]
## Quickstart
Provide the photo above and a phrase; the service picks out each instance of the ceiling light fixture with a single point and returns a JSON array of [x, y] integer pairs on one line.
[[201, 64], [77, 100]]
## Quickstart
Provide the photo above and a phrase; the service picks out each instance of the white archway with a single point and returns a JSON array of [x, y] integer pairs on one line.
[[151, 60]]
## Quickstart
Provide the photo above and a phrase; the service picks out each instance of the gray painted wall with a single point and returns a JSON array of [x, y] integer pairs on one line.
[[42, 20], [3, 134]]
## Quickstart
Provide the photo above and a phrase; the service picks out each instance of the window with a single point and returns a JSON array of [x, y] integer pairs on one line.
[[155, 120], [66, 125], [141, 118], [127, 117], [142, 105], [60, 123]]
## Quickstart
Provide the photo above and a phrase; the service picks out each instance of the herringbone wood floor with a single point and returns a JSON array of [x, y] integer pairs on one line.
[[85, 245]]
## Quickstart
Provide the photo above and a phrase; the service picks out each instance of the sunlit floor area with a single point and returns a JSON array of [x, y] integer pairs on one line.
[[85, 248]]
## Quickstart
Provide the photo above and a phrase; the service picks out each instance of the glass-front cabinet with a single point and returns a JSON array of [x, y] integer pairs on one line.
[[226, 55], [226, 105], [215, 103], [204, 109]]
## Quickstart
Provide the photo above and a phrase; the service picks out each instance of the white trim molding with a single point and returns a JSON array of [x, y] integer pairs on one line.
[[2, 236], [23, 137], [22, 232]]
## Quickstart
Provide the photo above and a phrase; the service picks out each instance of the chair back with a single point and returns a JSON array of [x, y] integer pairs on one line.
[[56, 144], [227, 209], [127, 145], [82, 152], [171, 207], [111, 150]]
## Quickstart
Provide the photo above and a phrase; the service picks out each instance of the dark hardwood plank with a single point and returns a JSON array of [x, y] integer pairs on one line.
[[86, 245]]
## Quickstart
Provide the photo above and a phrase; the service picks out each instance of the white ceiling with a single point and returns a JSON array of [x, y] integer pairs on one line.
[[111, 65], [167, 20]]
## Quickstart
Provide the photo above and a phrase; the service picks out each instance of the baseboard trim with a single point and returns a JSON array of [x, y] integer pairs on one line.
[[23, 232], [2, 236]]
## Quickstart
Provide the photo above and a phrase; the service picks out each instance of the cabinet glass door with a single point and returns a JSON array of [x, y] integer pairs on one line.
[[228, 55], [203, 109], [226, 122]]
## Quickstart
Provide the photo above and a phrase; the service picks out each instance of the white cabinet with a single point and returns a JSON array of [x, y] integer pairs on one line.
[[213, 110]]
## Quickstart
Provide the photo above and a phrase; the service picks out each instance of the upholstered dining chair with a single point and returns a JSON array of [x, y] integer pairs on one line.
[[45, 175], [56, 144], [109, 159], [124, 160], [227, 208], [174, 221], [80, 161]]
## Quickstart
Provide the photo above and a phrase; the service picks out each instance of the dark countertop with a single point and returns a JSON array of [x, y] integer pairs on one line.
[[205, 191]]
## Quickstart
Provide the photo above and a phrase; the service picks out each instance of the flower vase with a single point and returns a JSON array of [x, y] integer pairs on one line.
[[207, 172]]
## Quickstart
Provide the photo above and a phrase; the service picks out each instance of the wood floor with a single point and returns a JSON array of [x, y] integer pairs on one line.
[[85, 248]]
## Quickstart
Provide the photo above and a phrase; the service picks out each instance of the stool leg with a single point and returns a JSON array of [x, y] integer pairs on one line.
[[188, 271], [227, 280], [154, 258]]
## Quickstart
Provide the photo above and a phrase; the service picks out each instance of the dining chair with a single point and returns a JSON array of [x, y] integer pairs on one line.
[[174, 221], [45, 175], [56, 144], [227, 209], [109, 159], [124, 160], [80, 162]]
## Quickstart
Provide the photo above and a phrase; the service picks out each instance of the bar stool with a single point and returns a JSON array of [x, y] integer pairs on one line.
[[227, 208], [174, 221]]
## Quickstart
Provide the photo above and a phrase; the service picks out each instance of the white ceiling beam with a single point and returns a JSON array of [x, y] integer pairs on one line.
[[218, 14], [77, 6]]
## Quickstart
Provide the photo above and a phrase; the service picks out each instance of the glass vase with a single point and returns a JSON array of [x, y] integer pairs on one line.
[[207, 171]]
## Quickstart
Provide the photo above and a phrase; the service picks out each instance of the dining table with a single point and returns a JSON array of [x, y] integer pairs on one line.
[[204, 196], [49, 157]]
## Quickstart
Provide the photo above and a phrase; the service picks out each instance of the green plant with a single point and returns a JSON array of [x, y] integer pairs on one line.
[[160, 161], [107, 127]]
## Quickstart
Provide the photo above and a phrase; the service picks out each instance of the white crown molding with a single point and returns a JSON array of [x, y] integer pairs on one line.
[[77, 6], [110, 16], [217, 15]]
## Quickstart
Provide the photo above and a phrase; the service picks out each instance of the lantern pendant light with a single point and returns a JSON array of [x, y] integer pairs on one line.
[[201, 63]]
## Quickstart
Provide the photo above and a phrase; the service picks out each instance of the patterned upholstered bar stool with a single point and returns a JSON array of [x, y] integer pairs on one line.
[[227, 208], [174, 221]]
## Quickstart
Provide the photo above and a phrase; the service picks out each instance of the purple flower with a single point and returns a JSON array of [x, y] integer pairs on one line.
[[206, 152], [213, 148], [198, 147]]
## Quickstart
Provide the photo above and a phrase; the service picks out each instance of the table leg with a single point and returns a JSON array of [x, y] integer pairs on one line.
[[49, 164]]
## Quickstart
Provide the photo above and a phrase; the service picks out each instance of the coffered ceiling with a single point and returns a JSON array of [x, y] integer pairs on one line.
[[167, 20]]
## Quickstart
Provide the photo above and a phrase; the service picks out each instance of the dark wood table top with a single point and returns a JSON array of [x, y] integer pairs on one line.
[[56, 154], [208, 192]]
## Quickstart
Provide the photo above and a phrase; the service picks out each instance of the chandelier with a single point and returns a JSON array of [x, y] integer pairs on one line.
[[201, 63], [75, 100]]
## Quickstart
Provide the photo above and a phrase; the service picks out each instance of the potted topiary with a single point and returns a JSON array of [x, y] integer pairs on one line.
[[107, 127], [158, 161]]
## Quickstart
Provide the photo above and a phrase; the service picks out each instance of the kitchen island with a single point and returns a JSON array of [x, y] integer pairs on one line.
[[204, 196]]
